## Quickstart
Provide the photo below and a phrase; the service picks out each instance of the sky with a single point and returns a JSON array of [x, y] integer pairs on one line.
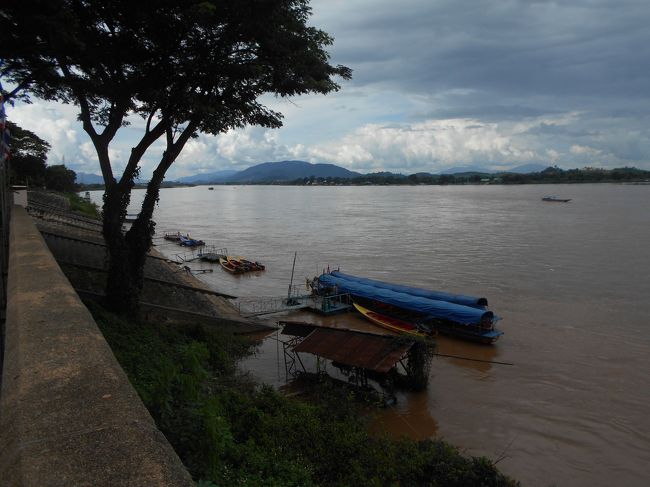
[[436, 84]]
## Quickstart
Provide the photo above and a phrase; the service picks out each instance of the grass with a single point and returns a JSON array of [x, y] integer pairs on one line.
[[80, 205]]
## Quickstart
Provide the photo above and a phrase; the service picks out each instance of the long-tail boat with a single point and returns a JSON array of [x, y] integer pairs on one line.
[[231, 265], [250, 265], [555, 199], [472, 301], [390, 323]]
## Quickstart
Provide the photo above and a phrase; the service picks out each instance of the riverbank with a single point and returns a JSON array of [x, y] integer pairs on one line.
[[229, 430]]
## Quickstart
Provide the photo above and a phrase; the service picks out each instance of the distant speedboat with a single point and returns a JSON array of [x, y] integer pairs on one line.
[[210, 188], [173, 236], [556, 199]]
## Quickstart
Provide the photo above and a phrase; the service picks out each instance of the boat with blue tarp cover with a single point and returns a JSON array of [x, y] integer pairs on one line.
[[446, 317], [473, 301], [186, 241]]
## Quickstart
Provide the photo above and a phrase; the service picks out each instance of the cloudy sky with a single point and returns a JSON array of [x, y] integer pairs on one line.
[[439, 84]]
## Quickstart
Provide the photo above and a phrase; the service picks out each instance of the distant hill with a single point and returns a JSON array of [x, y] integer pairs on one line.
[[290, 171], [87, 178], [208, 177], [272, 172]]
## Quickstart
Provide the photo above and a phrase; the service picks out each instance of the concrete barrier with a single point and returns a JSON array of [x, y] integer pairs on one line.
[[68, 414]]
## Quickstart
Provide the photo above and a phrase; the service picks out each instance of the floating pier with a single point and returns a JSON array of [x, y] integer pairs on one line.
[[323, 305]]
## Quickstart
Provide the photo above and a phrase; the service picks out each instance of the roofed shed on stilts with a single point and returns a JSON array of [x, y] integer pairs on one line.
[[359, 354]]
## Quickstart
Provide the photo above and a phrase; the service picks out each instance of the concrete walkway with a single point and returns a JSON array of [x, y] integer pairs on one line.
[[68, 414]]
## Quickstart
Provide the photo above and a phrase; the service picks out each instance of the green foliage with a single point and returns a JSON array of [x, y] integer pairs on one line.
[[80, 205], [26, 143], [29, 153], [548, 175], [28, 156], [60, 178], [418, 364], [27, 170], [229, 431]]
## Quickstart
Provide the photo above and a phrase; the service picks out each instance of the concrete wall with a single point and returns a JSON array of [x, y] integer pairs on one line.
[[20, 195], [68, 415]]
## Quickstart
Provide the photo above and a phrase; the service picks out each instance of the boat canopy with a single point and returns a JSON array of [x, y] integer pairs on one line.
[[430, 308], [472, 301]]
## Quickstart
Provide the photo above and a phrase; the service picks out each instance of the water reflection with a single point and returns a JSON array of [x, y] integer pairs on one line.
[[409, 417]]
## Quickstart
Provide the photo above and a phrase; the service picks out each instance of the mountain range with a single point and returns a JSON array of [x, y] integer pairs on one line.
[[272, 172], [291, 170]]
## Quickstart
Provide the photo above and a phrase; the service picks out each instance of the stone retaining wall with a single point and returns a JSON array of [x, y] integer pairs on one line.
[[68, 414]]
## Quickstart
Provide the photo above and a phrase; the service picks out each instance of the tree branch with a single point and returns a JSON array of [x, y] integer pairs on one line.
[[139, 150], [24, 84], [149, 118], [101, 145]]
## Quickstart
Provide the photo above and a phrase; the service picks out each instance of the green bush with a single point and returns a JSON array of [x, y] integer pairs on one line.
[[80, 205]]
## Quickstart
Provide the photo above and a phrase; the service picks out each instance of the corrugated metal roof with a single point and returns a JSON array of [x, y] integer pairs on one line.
[[372, 352]]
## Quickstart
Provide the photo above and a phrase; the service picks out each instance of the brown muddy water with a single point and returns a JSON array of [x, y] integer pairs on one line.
[[570, 281]]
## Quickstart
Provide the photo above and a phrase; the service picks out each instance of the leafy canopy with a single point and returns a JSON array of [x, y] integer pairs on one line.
[[184, 66], [199, 63]]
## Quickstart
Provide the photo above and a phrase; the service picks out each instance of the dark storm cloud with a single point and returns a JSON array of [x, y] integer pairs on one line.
[[554, 130], [489, 113], [505, 48]]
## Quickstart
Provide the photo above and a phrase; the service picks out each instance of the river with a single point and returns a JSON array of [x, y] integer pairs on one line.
[[571, 282]]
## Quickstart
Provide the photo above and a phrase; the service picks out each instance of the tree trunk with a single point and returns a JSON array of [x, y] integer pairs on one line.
[[127, 252], [121, 288]]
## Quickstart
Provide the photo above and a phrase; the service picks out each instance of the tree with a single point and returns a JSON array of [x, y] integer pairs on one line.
[[60, 178], [184, 67], [28, 156]]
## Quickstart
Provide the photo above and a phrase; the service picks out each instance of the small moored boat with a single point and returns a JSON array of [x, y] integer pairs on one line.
[[251, 266], [231, 265], [186, 241], [390, 323], [173, 236]]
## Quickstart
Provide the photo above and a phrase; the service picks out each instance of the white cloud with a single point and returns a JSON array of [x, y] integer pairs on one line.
[[52, 122], [584, 150], [427, 146]]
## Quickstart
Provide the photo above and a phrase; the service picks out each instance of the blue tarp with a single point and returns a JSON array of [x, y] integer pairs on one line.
[[430, 308], [472, 301]]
